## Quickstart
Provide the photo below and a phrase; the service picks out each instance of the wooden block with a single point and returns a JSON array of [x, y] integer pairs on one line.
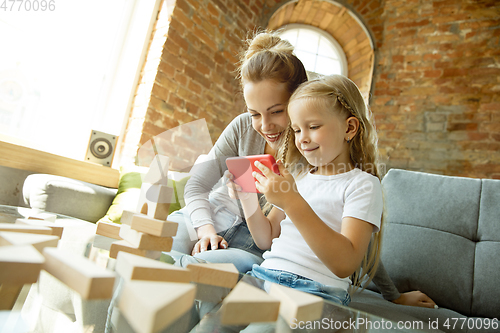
[[297, 305], [133, 267], [20, 264], [44, 216], [31, 229], [145, 241], [150, 306], [127, 247], [8, 295], [39, 242], [127, 217], [57, 230], [155, 200], [152, 226], [221, 275], [108, 229], [79, 273], [247, 304]]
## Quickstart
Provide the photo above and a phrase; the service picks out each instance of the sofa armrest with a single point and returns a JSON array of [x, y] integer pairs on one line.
[[67, 196]]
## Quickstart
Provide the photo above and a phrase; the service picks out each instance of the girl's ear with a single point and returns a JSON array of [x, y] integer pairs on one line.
[[352, 127]]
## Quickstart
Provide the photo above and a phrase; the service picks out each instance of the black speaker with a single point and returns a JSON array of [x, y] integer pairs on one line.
[[101, 148]]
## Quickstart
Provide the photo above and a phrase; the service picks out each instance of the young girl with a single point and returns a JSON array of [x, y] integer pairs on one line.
[[328, 199]]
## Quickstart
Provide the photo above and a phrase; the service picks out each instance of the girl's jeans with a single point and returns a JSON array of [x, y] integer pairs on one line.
[[333, 294], [242, 251]]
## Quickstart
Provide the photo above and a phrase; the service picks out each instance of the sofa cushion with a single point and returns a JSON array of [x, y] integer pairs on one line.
[[67, 196], [485, 298], [437, 263], [448, 204], [129, 190], [430, 235]]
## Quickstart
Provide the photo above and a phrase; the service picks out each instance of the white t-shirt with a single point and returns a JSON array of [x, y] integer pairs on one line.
[[355, 194]]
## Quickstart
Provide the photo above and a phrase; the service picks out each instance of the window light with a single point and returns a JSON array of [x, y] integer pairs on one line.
[[319, 52]]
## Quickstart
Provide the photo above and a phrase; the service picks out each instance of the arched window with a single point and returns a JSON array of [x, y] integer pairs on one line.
[[319, 52]]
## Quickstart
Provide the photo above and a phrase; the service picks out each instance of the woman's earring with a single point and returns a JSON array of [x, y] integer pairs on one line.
[[348, 140]]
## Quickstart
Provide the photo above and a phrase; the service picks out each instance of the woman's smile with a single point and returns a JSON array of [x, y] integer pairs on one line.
[[273, 137], [266, 102]]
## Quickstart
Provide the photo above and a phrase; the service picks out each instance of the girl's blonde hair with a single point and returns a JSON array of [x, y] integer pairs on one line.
[[340, 94], [270, 57]]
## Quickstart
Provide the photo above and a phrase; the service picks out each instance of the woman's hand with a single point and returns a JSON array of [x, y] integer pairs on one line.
[[280, 190], [207, 236], [234, 189], [415, 298]]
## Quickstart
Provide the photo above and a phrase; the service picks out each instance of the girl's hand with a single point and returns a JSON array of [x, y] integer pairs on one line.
[[280, 190], [234, 189]]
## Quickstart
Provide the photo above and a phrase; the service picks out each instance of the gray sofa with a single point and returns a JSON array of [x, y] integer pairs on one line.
[[442, 236]]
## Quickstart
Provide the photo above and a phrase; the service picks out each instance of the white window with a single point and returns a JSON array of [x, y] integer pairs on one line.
[[319, 52], [69, 67]]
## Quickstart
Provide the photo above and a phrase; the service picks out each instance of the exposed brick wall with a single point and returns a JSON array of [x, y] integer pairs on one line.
[[437, 82], [196, 75], [435, 92]]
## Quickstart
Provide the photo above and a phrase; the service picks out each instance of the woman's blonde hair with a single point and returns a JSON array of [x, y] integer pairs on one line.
[[270, 57], [340, 94]]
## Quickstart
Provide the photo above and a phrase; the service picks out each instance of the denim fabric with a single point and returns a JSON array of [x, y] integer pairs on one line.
[[242, 251], [301, 283], [239, 237], [243, 260], [183, 242]]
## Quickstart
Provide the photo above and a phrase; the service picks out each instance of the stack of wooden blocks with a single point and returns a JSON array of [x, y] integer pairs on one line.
[[156, 294], [140, 234], [29, 245], [145, 231]]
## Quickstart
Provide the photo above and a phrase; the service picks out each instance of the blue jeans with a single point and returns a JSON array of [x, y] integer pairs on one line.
[[241, 251], [333, 294]]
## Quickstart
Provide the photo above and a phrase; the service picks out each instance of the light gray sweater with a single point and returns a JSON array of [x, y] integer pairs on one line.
[[238, 139]]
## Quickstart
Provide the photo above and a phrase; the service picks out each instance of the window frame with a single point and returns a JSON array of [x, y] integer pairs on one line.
[[330, 38]]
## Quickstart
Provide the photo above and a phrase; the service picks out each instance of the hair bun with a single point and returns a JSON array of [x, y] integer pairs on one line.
[[267, 41], [268, 57]]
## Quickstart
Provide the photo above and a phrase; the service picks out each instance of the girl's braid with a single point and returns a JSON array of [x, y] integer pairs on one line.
[[285, 150], [342, 101]]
